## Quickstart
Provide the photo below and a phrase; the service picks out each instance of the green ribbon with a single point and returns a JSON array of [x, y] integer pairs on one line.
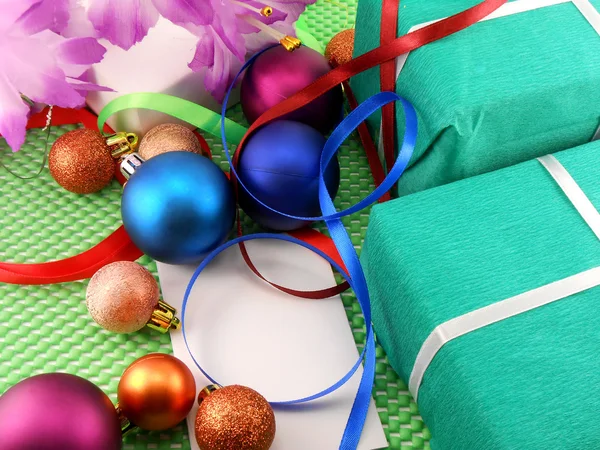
[[199, 116], [203, 118]]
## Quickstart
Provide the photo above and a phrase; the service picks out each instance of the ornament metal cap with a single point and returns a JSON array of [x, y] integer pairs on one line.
[[290, 43], [130, 164], [163, 318], [126, 425], [207, 391], [121, 143]]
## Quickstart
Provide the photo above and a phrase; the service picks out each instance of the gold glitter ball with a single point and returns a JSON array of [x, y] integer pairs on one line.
[[80, 161], [340, 48], [168, 137], [233, 418], [122, 296]]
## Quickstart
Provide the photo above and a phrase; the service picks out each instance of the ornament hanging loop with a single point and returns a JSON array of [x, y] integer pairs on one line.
[[122, 143], [267, 11]]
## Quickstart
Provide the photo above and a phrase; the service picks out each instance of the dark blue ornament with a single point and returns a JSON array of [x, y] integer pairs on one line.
[[280, 166], [177, 207]]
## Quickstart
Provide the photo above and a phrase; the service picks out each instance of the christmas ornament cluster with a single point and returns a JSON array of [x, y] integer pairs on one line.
[[177, 206]]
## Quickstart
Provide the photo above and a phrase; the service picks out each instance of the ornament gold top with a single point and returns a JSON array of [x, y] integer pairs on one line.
[[267, 11], [163, 318], [121, 143], [290, 43]]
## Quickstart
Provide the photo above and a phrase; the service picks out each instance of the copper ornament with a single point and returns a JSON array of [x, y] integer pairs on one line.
[[340, 48], [168, 137], [234, 417], [156, 392], [122, 296], [81, 162]]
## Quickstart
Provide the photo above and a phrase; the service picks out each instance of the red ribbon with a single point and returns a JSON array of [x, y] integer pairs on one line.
[[387, 79], [118, 246], [386, 52]]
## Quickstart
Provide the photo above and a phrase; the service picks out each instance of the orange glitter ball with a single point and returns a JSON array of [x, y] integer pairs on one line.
[[80, 161], [340, 48], [235, 417]]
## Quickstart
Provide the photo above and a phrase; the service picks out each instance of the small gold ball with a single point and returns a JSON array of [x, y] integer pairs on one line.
[[80, 161], [235, 417], [340, 48], [122, 296], [168, 137], [156, 392]]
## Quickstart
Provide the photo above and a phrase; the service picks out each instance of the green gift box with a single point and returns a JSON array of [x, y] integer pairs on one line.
[[520, 84], [486, 297]]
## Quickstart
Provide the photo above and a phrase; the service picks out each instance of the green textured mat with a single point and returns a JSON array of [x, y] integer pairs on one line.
[[49, 328]]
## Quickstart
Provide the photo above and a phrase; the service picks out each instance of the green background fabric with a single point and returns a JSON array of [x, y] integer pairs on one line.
[[48, 327], [438, 254], [499, 93]]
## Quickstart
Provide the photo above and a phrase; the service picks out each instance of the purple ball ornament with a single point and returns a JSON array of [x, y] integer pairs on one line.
[[58, 411], [278, 74], [280, 166]]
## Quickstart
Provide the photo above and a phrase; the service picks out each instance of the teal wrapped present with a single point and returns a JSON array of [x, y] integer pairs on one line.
[[485, 295], [520, 84]]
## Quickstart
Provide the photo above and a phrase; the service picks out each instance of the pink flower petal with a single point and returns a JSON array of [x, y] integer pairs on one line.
[[12, 10], [85, 86], [13, 115], [182, 12], [79, 25], [220, 64], [123, 22], [47, 15], [29, 65]]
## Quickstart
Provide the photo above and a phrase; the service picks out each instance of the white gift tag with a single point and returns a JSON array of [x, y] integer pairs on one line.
[[245, 332]]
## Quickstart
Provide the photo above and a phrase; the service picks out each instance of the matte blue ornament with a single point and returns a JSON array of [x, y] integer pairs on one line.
[[280, 166], [177, 207]]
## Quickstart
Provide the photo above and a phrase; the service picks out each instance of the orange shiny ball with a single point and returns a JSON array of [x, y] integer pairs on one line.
[[80, 161], [156, 392], [340, 48], [235, 417]]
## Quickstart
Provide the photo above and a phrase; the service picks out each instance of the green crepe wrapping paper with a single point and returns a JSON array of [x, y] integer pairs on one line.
[[501, 92], [440, 253]]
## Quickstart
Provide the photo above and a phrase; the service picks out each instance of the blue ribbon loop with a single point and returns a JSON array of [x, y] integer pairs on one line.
[[355, 275]]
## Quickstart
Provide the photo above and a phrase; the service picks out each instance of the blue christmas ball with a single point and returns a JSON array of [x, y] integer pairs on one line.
[[280, 166], [177, 207]]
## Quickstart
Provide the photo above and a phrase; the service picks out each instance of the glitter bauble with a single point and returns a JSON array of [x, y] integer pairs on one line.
[[340, 48], [178, 207], [280, 166], [81, 162], [156, 392], [57, 411], [235, 417], [278, 74], [168, 137], [122, 296]]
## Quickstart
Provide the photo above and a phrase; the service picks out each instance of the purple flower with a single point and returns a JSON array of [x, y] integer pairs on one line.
[[227, 29], [39, 64]]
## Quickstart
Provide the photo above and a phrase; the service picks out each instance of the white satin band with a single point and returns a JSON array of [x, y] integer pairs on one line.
[[482, 317], [582, 204]]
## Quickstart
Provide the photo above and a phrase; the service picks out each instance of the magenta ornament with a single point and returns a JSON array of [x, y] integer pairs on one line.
[[278, 74], [58, 411]]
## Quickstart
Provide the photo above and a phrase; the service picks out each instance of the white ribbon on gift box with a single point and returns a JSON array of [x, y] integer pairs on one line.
[[508, 9], [561, 289]]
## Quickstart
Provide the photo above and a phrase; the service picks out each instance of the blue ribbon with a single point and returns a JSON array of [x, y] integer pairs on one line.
[[355, 275]]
